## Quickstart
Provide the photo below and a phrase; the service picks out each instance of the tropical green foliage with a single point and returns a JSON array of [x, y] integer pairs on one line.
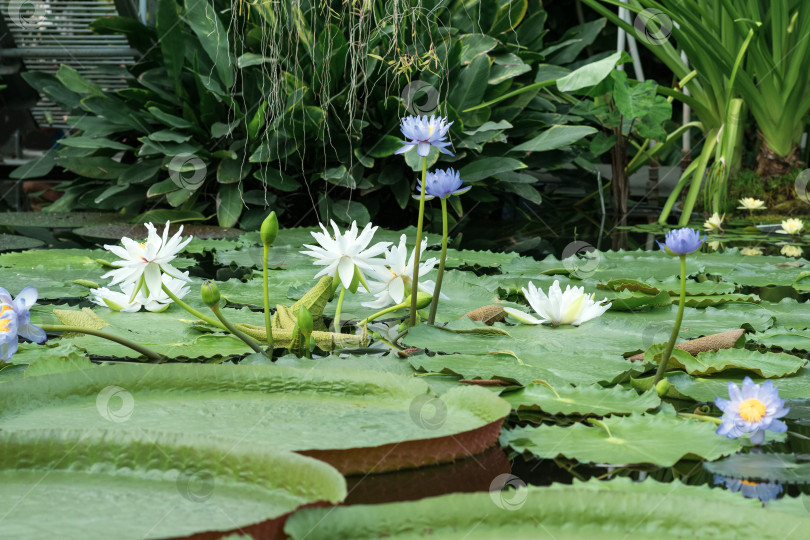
[[274, 107], [752, 53]]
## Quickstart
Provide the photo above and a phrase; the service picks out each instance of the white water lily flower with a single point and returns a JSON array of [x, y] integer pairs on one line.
[[143, 262], [394, 281], [750, 251], [346, 252], [714, 223], [749, 203], [792, 226], [789, 250], [570, 307], [714, 244], [155, 302]]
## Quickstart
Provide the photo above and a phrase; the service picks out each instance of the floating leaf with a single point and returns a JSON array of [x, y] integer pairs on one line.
[[767, 365], [796, 386], [594, 509], [358, 421], [789, 340], [582, 400], [173, 485], [660, 439]]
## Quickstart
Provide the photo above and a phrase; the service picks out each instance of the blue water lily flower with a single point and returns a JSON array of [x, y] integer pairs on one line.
[[764, 491], [422, 133], [8, 332], [21, 307], [753, 410], [682, 241], [442, 184]]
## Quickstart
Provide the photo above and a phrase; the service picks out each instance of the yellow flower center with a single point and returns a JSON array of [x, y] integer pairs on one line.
[[4, 322], [749, 483], [752, 410]]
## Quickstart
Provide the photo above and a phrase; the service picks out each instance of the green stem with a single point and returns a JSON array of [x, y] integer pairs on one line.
[[383, 312], [252, 343], [662, 367], [434, 304], [702, 417], [268, 322], [417, 250], [193, 311], [338, 309], [98, 333]]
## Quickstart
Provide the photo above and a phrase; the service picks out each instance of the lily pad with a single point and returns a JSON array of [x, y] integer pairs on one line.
[[57, 220], [144, 484], [707, 388], [358, 421], [790, 314], [605, 510], [789, 340], [767, 365], [582, 400], [14, 242], [782, 468], [660, 439]]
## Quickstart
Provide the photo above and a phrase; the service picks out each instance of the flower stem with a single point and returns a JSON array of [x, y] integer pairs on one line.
[[252, 343], [149, 353], [662, 367], [417, 250], [193, 311], [434, 304], [268, 322], [383, 312], [702, 417], [338, 309]]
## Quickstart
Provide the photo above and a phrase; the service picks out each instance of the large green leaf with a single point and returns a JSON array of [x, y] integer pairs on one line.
[[171, 39], [660, 439], [783, 338], [357, 420], [482, 169], [582, 400], [707, 388], [555, 137], [606, 510], [144, 484], [229, 204], [589, 74], [766, 365], [204, 21]]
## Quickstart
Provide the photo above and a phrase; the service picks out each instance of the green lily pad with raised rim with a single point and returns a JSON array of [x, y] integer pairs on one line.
[[58, 220], [15, 242], [96, 484], [358, 421]]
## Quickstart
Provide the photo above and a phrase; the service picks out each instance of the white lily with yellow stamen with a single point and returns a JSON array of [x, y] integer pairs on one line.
[[750, 203], [393, 281], [714, 223], [750, 251], [792, 226], [570, 307], [156, 302], [346, 254], [142, 263]]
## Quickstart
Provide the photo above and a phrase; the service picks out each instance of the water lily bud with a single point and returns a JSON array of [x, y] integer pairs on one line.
[[269, 229], [210, 294], [305, 322], [423, 299], [662, 387]]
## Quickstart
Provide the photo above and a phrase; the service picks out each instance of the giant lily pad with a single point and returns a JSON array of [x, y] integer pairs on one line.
[[358, 421], [13, 242], [660, 439], [582, 400], [606, 510], [57, 220], [796, 386], [116, 231], [768, 364], [115, 484], [783, 338]]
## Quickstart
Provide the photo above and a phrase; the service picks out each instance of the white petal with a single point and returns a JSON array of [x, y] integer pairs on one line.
[[521, 316]]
